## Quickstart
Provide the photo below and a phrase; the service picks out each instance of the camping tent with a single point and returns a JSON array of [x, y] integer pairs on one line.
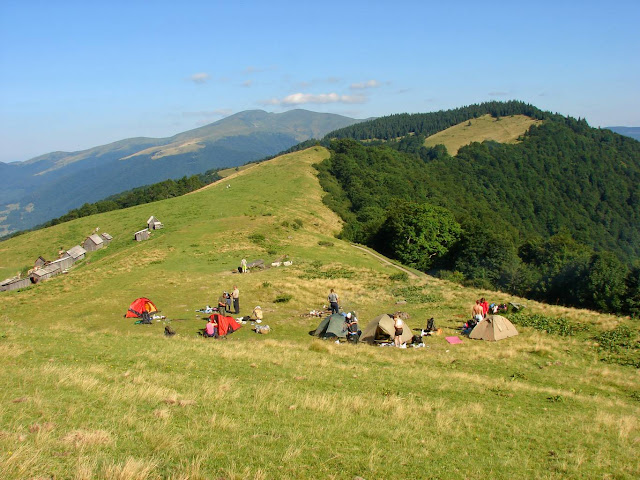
[[493, 328], [139, 306], [381, 328], [331, 326], [226, 325]]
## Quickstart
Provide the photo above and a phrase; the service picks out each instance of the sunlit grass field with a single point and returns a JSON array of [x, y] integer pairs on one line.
[[90, 395], [505, 130]]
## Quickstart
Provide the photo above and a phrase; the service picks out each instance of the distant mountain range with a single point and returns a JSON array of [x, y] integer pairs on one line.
[[48, 186], [633, 132]]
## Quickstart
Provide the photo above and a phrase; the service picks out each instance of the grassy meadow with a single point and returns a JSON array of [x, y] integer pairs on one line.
[[504, 130], [89, 395]]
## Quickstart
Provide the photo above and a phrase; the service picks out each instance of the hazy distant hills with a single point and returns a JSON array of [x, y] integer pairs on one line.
[[633, 132], [48, 186]]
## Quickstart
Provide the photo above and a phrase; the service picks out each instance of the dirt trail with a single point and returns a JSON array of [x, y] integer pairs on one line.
[[387, 262]]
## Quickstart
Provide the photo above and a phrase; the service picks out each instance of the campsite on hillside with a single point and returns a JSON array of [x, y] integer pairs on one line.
[[90, 393]]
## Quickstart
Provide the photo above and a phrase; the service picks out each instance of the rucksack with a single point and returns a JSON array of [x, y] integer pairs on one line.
[[169, 331]]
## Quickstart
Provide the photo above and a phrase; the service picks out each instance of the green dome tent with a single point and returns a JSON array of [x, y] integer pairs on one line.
[[332, 326]]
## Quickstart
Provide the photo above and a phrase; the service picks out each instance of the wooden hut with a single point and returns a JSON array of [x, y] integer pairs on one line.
[[46, 272], [14, 283], [77, 253], [40, 262], [93, 242], [153, 223], [63, 263], [141, 235], [106, 238]]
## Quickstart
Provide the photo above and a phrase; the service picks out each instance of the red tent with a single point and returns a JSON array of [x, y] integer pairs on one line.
[[139, 306], [226, 325]]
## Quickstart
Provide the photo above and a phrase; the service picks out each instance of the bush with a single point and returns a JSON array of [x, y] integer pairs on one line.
[[331, 273], [325, 243], [620, 346], [555, 325], [455, 276], [257, 238], [415, 294], [283, 298], [399, 277]]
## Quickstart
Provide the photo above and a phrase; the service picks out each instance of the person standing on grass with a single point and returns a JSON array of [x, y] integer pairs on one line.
[[477, 312], [235, 295], [485, 306], [243, 265], [333, 301], [398, 325]]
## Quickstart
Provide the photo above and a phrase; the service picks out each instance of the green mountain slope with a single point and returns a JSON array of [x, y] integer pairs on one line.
[[88, 394], [564, 182], [50, 185]]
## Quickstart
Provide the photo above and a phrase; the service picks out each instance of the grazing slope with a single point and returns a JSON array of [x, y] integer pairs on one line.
[[87, 394], [50, 185], [502, 130]]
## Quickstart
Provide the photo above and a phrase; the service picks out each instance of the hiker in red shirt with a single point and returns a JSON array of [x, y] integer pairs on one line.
[[485, 306]]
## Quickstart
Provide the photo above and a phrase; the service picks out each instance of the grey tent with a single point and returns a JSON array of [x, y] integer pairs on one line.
[[493, 328], [381, 328], [331, 326]]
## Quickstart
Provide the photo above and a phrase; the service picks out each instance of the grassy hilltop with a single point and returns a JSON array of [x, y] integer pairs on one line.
[[87, 394]]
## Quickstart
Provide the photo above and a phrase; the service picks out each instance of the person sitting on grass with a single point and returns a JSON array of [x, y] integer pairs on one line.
[[352, 328], [211, 329], [257, 314]]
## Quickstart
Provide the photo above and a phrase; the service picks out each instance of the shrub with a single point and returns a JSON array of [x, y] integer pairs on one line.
[[325, 243], [455, 276], [555, 325], [414, 294], [257, 238], [620, 346], [331, 273], [399, 277], [283, 298]]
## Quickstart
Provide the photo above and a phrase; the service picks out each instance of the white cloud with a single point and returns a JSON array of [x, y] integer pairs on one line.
[[247, 83], [363, 85], [303, 98], [200, 77]]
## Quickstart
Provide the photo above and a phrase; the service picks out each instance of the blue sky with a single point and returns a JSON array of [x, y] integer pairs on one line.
[[77, 74]]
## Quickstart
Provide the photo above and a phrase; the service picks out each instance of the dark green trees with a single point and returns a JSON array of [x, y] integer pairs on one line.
[[417, 234]]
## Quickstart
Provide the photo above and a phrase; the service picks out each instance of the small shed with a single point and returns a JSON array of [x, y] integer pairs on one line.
[[40, 262], [14, 283], [77, 253], [63, 263], [46, 272], [93, 242], [141, 235], [106, 238], [153, 223]]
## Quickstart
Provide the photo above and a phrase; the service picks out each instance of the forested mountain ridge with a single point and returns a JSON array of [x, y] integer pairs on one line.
[[566, 187], [47, 186]]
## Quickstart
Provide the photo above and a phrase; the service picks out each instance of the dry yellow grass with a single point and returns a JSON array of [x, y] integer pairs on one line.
[[505, 130]]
